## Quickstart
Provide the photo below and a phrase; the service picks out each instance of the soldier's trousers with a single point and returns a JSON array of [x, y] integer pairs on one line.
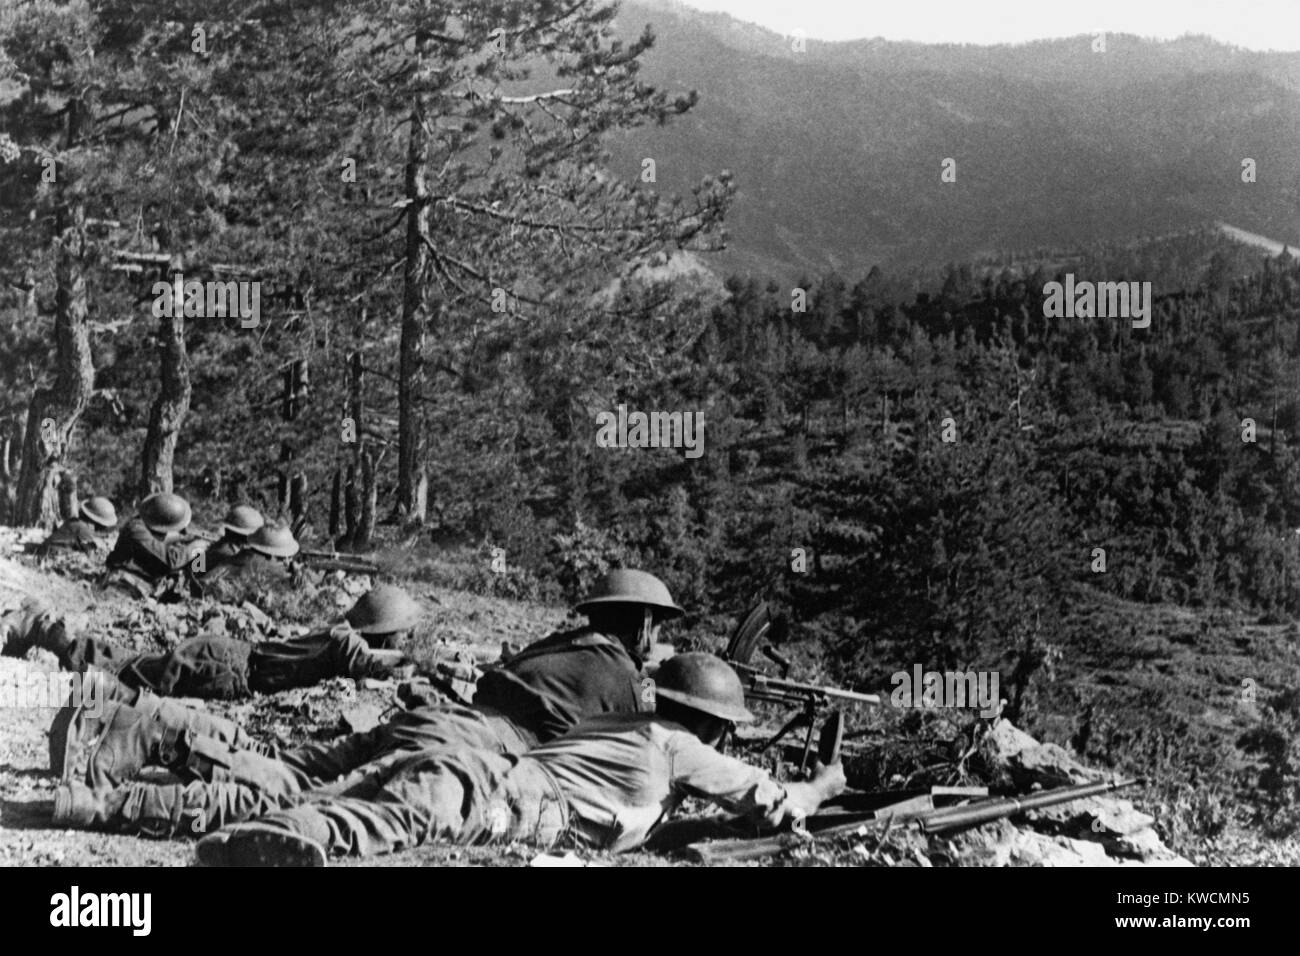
[[222, 668], [441, 795], [314, 766], [235, 783]]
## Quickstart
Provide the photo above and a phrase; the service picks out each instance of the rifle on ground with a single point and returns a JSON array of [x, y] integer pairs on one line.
[[321, 560], [759, 686], [334, 561], [915, 811]]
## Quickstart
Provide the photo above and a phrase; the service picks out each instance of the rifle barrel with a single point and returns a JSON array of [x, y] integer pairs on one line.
[[761, 682], [932, 821], [997, 808]]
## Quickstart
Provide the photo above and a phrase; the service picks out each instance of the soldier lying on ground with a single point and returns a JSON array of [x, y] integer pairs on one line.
[[534, 697], [265, 557], [212, 666], [88, 532], [239, 522], [604, 785], [151, 555]]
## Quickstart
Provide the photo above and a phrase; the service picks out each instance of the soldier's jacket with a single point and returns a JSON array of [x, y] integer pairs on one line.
[[140, 552], [223, 551], [75, 533], [244, 564], [214, 666], [560, 680], [621, 774]]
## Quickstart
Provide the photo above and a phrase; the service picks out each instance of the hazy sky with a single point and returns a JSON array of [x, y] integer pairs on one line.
[[1256, 24]]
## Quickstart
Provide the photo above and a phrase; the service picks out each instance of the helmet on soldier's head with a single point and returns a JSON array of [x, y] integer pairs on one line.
[[628, 586], [165, 512], [242, 519], [276, 541], [99, 511], [705, 683], [384, 610]]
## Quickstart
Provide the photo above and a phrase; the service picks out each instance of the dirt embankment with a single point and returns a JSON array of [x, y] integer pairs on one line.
[[1102, 831]]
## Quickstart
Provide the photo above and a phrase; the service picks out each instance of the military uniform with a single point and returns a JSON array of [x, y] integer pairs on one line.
[[243, 563], [229, 783], [140, 560], [210, 666], [605, 785], [225, 668], [533, 697], [76, 534]]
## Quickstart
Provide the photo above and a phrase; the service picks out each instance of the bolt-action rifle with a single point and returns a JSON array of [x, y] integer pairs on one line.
[[927, 820]]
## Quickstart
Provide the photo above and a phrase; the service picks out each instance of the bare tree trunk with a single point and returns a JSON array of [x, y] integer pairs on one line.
[[356, 411], [54, 412], [169, 408], [336, 493], [282, 477], [67, 496], [351, 505], [297, 498], [9, 495], [410, 387], [369, 502]]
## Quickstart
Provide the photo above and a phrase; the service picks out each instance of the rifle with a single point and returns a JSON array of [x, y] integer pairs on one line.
[[913, 812], [333, 561], [759, 686]]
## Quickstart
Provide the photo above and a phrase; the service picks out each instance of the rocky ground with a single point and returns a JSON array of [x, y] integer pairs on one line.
[[1100, 831]]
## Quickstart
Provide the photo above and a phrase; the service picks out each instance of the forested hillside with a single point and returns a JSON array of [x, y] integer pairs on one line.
[[836, 148], [455, 253]]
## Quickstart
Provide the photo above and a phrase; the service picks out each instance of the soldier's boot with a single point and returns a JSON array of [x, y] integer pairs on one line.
[[121, 742], [15, 633], [259, 844], [148, 809], [81, 723], [77, 721], [31, 625]]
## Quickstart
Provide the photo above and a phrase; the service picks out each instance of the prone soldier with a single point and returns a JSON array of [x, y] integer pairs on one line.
[[605, 785], [240, 522], [534, 697], [88, 531], [150, 554]]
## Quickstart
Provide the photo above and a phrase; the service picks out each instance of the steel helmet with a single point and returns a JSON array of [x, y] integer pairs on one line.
[[99, 511], [276, 541], [243, 519], [626, 586], [383, 610], [165, 512], [705, 683]]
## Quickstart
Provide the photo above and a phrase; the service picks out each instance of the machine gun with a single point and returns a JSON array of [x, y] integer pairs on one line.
[[760, 686]]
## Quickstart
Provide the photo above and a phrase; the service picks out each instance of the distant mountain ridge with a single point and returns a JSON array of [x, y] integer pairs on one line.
[[837, 150]]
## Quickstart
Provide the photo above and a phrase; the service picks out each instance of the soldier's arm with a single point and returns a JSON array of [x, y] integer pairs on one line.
[[137, 543], [700, 771]]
